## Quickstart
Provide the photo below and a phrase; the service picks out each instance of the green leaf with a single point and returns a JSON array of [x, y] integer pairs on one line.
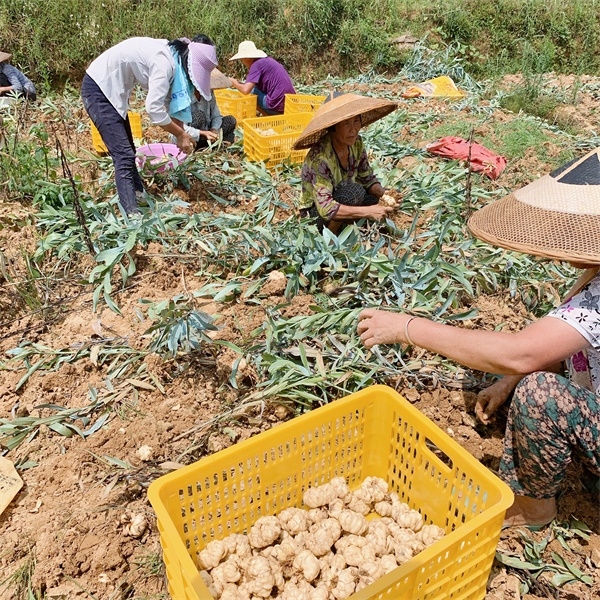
[[463, 316], [60, 428], [511, 561], [110, 256]]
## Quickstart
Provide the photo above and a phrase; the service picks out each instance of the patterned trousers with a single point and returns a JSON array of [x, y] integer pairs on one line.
[[551, 421], [349, 193]]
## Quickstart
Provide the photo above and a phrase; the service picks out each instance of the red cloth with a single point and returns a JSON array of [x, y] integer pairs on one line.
[[482, 159]]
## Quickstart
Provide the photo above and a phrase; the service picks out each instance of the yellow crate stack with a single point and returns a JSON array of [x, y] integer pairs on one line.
[[299, 103], [135, 121], [271, 138], [232, 102], [374, 432]]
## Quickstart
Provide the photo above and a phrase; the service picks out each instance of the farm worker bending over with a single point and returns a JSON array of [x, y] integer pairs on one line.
[[338, 183], [169, 71], [12, 81], [266, 78], [553, 418]]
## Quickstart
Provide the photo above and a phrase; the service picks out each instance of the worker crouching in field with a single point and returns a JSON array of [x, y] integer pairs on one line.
[[553, 418], [208, 126], [12, 81], [169, 72], [266, 78], [338, 183]]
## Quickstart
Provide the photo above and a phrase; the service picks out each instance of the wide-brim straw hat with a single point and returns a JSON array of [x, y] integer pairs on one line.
[[219, 81], [556, 216], [339, 109], [5, 56], [248, 49]]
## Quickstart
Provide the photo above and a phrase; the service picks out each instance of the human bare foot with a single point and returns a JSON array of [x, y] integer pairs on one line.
[[530, 512], [493, 397]]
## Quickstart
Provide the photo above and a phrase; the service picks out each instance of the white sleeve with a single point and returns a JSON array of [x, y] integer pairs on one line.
[[192, 132], [159, 87]]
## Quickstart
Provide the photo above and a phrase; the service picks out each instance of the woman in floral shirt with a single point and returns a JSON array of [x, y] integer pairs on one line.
[[553, 419], [338, 184]]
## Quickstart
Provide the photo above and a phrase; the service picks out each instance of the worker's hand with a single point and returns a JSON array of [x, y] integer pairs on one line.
[[381, 327], [211, 136], [493, 397], [185, 143], [378, 212]]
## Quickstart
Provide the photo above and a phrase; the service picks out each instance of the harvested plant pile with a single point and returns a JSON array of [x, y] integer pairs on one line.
[[341, 543]]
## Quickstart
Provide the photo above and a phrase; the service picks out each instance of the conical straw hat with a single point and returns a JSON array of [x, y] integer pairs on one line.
[[339, 109], [218, 80], [4, 56], [556, 216]]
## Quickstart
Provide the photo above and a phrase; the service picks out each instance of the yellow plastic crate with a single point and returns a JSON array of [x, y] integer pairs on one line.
[[232, 102], [135, 121], [298, 103], [374, 432], [275, 148]]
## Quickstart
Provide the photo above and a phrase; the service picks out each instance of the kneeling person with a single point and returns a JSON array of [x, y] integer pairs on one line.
[[338, 183], [207, 122]]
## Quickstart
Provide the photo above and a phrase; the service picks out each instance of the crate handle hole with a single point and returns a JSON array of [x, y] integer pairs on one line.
[[439, 453]]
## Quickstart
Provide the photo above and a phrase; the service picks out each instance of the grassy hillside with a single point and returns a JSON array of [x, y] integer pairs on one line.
[[54, 42]]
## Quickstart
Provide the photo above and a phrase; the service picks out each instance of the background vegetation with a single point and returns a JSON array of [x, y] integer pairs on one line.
[[54, 41]]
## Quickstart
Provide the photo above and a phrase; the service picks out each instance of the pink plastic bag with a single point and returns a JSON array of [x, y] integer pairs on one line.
[[482, 159]]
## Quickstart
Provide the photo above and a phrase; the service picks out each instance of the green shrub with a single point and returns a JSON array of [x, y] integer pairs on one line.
[[53, 42]]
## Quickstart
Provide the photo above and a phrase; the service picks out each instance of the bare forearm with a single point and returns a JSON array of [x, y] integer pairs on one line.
[[376, 190], [537, 347], [174, 128], [349, 213], [352, 212], [244, 88], [490, 351]]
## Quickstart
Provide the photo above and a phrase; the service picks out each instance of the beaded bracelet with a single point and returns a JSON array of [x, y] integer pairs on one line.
[[406, 336]]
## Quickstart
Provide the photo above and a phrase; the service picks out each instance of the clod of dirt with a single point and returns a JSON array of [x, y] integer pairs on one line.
[[276, 284], [387, 200], [134, 526], [145, 453], [282, 412]]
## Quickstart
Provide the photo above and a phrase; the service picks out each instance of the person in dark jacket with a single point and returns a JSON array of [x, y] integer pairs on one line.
[[12, 81]]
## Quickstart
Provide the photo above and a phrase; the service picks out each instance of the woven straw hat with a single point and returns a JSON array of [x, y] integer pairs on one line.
[[339, 109], [556, 216], [218, 80], [248, 49], [5, 56]]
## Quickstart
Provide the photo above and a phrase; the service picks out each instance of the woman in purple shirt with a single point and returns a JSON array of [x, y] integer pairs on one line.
[[266, 78]]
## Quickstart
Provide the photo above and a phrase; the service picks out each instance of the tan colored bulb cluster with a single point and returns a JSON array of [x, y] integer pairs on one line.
[[341, 543]]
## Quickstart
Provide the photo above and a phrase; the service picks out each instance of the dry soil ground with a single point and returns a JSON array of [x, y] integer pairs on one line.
[[67, 523]]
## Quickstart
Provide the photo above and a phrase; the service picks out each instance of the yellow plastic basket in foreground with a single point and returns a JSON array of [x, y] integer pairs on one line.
[[135, 121], [295, 103], [232, 102], [374, 432], [270, 139]]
